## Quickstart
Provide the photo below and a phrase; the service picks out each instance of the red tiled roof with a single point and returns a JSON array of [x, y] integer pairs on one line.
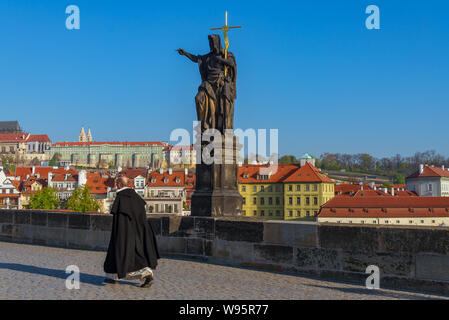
[[64, 177], [132, 143], [39, 138], [23, 172], [249, 173], [159, 178], [132, 173], [430, 171], [308, 173], [385, 207], [14, 137], [97, 184]]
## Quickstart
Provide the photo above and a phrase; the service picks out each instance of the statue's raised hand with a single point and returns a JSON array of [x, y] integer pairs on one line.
[[181, 52]]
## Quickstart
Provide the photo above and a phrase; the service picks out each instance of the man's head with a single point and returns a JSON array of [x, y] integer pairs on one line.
[[122, 182]]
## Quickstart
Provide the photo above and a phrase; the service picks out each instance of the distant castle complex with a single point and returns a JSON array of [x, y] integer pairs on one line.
[[88, 153]]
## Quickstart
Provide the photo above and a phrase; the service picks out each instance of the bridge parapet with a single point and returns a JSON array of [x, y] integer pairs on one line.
[[413, 258]]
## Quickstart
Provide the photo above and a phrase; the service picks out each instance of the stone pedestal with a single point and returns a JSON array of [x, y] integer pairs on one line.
[[216, 191]]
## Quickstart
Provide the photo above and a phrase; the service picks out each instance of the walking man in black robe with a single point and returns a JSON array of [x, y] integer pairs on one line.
[[132, 251]]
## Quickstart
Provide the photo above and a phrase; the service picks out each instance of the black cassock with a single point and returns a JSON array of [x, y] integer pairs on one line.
[[133, 244]]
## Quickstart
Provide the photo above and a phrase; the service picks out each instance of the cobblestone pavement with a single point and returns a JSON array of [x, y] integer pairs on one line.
[[38, 272]]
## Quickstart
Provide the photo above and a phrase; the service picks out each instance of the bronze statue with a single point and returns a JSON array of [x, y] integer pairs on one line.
[[217, 92]]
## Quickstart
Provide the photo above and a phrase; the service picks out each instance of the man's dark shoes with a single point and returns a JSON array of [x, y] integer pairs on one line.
[[148, 282], [109, 281]]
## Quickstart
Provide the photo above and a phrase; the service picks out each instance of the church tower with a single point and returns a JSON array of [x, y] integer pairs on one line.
[[82, 136], [89, 136]]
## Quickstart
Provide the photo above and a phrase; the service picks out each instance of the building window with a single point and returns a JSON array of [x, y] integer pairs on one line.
[[243, 188], [270, 188], [262, 188], [307, 201], [262, 200], [270, 200], [290, 213], [429, 187], [307, 213], [270, 213], [254, 200], [298, 213], [315, 187], [290, 187], [278, 213], [244, 200], [290, 200], [255, 212], [307, 187], [315, 201], [298, 201], [278, 200], [298, 187], [255, 188], [262, 213], [397, 221], [278, 188]]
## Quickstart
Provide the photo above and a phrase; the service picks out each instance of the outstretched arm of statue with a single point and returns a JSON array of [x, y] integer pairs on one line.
[[192, 57]]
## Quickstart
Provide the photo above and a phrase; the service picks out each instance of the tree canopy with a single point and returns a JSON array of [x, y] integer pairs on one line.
[[44, 199], [81, 201]]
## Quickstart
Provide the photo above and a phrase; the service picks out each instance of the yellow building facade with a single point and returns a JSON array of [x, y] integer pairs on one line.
[[289, 192]]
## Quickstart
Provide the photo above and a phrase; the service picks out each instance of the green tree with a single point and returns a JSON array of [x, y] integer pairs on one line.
[[81, 201], [288, 159], [44, 199], [387, 185], [398, 178]]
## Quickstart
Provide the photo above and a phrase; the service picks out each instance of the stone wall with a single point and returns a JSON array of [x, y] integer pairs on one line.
[[413, 258]]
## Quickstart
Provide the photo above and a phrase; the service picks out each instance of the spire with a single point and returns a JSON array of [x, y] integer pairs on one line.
[[89, 136], [82, 136]]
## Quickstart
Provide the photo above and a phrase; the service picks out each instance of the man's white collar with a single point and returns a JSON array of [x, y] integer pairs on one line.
[[122, 189]]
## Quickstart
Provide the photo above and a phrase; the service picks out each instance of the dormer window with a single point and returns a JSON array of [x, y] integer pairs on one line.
[[165, 180]]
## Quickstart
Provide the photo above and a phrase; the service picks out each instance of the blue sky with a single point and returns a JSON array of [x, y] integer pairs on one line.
[[308, 68]]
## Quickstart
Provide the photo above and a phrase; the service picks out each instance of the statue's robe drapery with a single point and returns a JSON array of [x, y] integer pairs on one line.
[[133, 244]]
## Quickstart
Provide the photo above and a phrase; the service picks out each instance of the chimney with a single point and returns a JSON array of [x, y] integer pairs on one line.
[[82, 177], [49, 178], [186, 171], [392, 191], [421, 168], [170, 171], [385, 190], [161, 170], [33, 170], [442, 167]]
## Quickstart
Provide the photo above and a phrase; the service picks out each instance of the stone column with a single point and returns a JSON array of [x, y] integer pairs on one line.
[[216, 191]]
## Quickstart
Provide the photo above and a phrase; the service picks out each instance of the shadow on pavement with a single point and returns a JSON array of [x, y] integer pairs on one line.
[[60, 274], [380, 293]]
